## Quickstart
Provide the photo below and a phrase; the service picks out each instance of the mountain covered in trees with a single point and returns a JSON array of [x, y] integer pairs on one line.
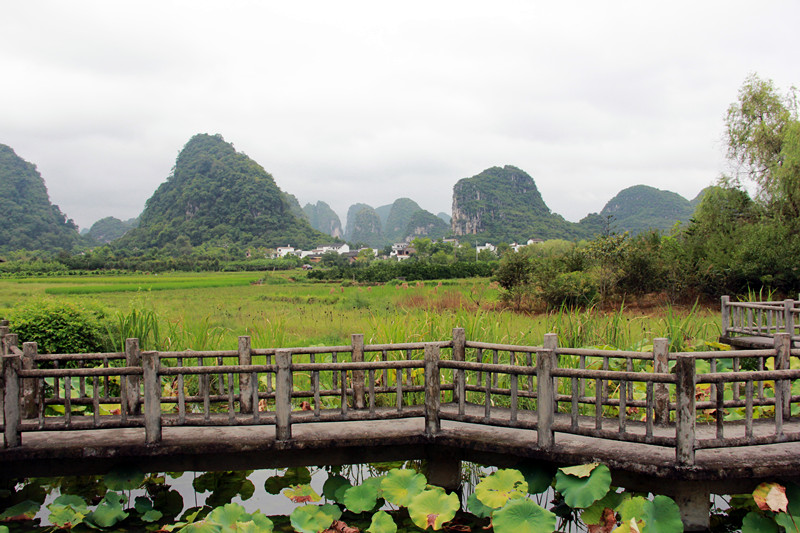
[[402, 220], [641, 208], [109, 229], [323, 218], [504, 205], [30, 221], [218, 196]]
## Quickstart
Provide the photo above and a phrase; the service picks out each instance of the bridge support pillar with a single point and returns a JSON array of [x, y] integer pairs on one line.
[[694, 502], [444, 469]]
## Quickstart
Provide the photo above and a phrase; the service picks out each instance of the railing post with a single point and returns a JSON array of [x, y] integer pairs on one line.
[[726, 315], [660, 391], [283, 395], [152, 397], [459, 354], [3, 332], [783, 346], [357, 342], [30, 397], [11, 401], [432, 390], [546, 361], [245, 378], [685, 411], [133, 359], [788, 317]]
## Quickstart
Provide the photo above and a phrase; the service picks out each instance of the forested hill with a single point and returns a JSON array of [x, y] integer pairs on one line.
[[216, 195], [504, 205], [641, 208], [30, 221]]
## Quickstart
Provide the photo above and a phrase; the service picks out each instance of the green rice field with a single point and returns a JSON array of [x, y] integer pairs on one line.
[[284, 309]]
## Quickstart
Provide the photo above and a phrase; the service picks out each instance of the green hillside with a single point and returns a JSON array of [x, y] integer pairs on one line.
[[219, 196], [30, 221]]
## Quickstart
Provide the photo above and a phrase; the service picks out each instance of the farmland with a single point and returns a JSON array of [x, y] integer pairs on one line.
[[209, 311]]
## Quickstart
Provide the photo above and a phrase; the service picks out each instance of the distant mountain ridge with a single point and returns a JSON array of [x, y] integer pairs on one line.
[[641, 208]]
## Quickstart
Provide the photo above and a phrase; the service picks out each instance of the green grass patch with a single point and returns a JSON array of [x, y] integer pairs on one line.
[[156, 285]]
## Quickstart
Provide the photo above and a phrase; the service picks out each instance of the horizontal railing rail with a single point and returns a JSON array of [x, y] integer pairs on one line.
[[759, 319], [687, 401]]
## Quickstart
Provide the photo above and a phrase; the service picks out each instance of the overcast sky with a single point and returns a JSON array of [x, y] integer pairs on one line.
[[371, 101]]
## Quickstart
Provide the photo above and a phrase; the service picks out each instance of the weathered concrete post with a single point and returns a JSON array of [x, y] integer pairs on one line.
[[788, 316], [9, 344], [3, 332], [685, 411], [432, 390], [694, 502], [459, 354], [11, 401], [545, 390], [726, 315], [152, 397], [30, 397], [783, 346], [357, 342], [283, 395], [245, 378], [133, 359], [660, 391]]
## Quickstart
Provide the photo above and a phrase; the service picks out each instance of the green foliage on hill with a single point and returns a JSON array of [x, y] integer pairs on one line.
[[294, 206], [641, 208], [216, 195], [394, 229], [323, 218], [110, 229], [425, 224], [30, 221], [504, 205], [364, 226]]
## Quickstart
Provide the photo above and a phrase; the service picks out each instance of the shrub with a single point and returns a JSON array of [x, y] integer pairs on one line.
[[59, 327], [570, 289]]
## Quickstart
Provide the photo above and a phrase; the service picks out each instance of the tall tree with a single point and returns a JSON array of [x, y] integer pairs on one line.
[[763, 137]]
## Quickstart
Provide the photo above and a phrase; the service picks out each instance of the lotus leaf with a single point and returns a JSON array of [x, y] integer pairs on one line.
[[581, 492], [3, 529], [432, 508], [593, 514], [332, 485], [382, 523], [755, 523], [109, 511], [361, 498], [523, 516], [538, 477], [629, 526], [292, 476], [302, 494], [580, 470], [224, 486], [124, 478], [501, 486], [68, 510], [476, 507], [788, 522], [314, 518], [661, 515], [771, 497], [27, 508], [400, 486]]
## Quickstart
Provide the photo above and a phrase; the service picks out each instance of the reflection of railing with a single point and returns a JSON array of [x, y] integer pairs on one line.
[[654, 397], [760, 319]]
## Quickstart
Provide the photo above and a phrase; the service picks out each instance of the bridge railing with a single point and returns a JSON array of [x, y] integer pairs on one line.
[[679, 400], [760, 319]]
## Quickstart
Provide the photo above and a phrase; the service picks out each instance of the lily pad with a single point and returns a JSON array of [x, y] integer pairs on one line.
[[291, 476], [332, 485], [400, 486], [523, 516], [582, 490], [661, 515], [538, 477], [314, 518], [755, 523], [432, 508], [224, 486], [302, 494], [109, 511], [382, 523], [361, 498], [24, 509], [476, 507], [771, 497], [501, 486]]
